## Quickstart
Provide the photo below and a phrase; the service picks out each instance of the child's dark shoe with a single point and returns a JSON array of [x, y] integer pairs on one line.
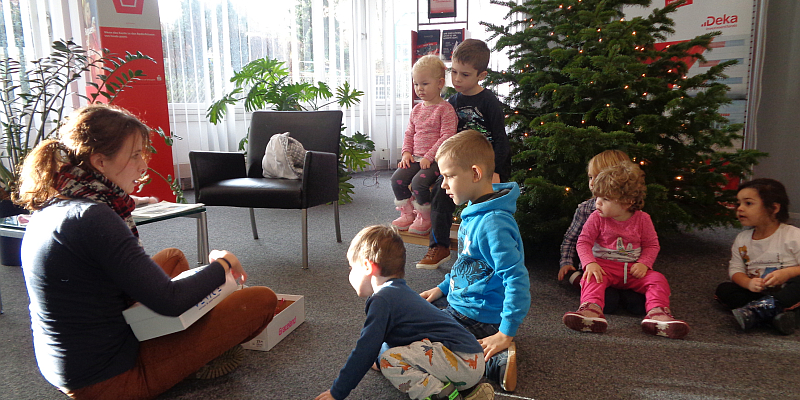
[[448, 392], [574, 278], [785, 322], [660, 322], [588, 318], [766, 310]]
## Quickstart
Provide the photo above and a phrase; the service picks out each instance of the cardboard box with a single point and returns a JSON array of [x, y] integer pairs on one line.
[[287, 320], [147, 324]]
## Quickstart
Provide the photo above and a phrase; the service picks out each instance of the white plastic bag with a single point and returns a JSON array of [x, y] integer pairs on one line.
[[283, 157]]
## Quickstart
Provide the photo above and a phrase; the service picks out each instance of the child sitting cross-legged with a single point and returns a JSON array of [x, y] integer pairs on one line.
[[617, 247], [430, 355], [765, 263]]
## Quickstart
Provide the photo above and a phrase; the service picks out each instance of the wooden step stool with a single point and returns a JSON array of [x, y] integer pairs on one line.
[[421, 240]]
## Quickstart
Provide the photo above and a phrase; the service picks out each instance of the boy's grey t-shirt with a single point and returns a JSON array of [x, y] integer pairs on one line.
[[483, 112]]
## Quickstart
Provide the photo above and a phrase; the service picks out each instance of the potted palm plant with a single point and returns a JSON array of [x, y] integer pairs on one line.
[[269, 86], [33, 102]]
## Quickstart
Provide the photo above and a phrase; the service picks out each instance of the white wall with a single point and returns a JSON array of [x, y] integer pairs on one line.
[[777, 129]]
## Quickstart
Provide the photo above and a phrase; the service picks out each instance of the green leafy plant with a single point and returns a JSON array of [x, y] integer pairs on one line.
[[173, 183], [266, 84], [34, 100], [355, 153]]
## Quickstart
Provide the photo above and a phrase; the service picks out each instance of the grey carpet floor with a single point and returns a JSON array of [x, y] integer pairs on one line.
[[715, 361]]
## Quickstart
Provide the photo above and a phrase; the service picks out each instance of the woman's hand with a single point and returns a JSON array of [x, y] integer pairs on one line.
[[235, 269], [638, 270], [406, 160], [139, 201], [593, 269], [432, 294]]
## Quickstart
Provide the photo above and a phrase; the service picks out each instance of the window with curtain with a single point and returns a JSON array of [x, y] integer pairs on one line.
[[363, 42]]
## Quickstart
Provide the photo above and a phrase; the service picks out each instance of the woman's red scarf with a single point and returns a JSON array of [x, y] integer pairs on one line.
[[75, 182]]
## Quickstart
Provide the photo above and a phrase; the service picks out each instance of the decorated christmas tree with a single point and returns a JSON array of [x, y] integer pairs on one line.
[[583, 79]]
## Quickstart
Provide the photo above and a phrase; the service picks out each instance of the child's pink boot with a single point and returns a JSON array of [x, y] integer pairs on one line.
[[422, 224], [660, 322], [588, 318], [406, 214]]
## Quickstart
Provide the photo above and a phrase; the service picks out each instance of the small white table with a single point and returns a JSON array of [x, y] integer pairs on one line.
[[9, 227]]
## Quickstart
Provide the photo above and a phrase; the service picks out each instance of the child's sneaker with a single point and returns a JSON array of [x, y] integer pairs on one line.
[[448, 392], [660, 322], [588, 318], [483, 391], [502, 368]]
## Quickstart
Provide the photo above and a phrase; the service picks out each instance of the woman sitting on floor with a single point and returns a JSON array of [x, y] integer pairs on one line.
[[84, 264]]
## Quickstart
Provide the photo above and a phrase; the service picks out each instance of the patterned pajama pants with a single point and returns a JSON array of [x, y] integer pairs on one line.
[[423, 368]]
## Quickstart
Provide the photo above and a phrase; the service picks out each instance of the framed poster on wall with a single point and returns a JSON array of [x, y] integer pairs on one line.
[[441, 9]]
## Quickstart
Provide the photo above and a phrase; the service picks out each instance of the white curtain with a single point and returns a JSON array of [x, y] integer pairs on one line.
[[363, 42], [205, 41]]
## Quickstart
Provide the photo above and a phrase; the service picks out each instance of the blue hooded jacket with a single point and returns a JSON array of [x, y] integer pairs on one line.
[[489, 282]]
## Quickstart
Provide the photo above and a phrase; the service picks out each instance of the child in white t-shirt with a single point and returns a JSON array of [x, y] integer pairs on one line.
[[765, 260]]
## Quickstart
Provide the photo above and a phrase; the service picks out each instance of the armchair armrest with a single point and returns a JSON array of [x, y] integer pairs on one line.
[[320, 178], [209, 167]]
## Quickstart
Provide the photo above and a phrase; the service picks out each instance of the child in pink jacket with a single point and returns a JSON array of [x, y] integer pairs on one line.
[[617, 248], [432, 122]]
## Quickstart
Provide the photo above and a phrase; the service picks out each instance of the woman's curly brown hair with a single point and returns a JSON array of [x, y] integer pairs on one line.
[[624, 183]]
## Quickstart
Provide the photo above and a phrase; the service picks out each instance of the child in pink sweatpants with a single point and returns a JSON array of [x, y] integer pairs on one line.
[[617, 248]]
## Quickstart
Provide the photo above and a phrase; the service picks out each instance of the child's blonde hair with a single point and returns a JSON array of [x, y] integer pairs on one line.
[[431, 64], [624, 183], [473, 52], [605, 160], [381, 245], [468, 148]]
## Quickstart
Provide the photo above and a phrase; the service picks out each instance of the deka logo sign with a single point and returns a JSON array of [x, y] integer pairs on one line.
[[129, 6], [719, 21], [686, 2]]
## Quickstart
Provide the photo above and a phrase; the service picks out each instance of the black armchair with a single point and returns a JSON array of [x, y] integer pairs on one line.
[[223, 179]]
